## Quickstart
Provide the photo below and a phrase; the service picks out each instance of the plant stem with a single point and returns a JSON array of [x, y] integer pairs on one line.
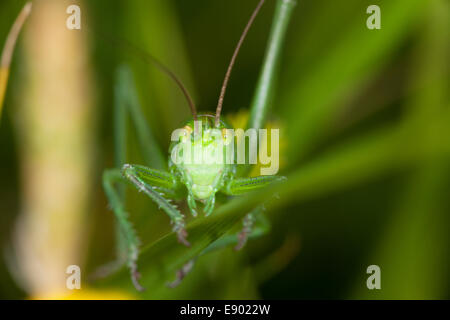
[[6, 56], [266, 82]]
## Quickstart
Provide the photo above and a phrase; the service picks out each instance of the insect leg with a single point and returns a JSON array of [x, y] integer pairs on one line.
[[248, 222], [127, 103], [148, 180], [182, 273], [191, 203], [210, 205], [242, 185], [125, 228], [163, 181], [127, 241]]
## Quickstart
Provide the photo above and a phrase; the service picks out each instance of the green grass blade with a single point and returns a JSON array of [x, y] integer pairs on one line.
[[128, 99], [266, 82], [316, 94], [8, 50]]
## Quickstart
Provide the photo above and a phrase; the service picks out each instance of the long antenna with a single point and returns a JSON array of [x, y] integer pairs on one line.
[[233, 59], [151, 59]]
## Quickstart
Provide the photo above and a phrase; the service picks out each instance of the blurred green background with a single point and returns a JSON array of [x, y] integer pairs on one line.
[[364, 116]]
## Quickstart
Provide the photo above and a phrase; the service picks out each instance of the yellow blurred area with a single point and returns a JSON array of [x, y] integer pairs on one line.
[[86, 294], [3, 84], [239, 119]]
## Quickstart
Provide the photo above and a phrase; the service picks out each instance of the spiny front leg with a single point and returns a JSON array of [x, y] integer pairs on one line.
[[141, 177], [179, 229], [125, 228]]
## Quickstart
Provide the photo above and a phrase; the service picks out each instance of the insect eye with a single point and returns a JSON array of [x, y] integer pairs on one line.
[[226, 136], [185, 133]]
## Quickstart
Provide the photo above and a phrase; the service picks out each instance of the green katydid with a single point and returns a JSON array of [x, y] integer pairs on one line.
[[198, 182]]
